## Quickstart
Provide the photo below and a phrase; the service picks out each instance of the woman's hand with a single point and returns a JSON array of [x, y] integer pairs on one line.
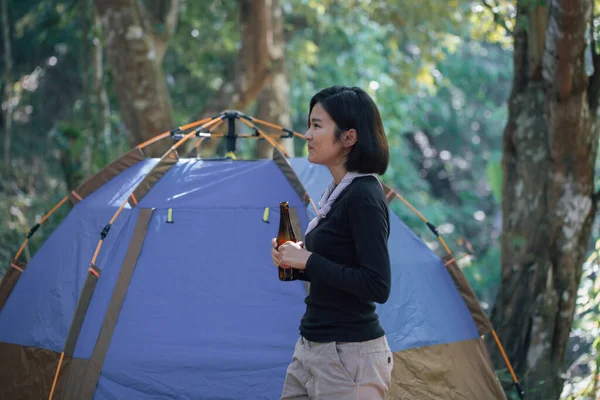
[[290, 254]]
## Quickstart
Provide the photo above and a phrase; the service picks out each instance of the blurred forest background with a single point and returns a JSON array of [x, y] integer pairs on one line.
[[461, 85]]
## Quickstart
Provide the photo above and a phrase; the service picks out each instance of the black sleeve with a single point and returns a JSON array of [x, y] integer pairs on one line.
[[302, 275], [369, 224]]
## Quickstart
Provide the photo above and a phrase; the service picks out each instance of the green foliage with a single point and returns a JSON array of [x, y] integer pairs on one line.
[[494, 21], [203, 48], [26, 195], [465, 118], [494, 175]]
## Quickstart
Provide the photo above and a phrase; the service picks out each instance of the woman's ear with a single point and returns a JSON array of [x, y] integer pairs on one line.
[[349, 137]]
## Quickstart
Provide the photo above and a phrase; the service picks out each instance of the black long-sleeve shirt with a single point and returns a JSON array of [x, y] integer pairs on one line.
[[349, 269]]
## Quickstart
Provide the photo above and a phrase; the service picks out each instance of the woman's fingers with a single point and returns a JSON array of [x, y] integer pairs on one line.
[[276, 256]]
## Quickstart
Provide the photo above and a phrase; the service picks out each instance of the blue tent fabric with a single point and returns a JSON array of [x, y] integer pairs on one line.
[[206, 304], [115, 192], [39, 311], [40, 308], [221, 184], [109, 261], [205, 315]]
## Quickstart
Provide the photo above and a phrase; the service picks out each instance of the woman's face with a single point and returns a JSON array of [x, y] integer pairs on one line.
[[323, 148]]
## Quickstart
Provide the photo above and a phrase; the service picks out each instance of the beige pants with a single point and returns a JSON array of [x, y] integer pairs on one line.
[[334, 370]]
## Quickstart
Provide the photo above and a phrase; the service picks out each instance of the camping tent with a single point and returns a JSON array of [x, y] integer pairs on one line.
[[181, 300]]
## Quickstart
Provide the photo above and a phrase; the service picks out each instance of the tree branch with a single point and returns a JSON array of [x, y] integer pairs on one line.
[[162, 17], [499, 19]]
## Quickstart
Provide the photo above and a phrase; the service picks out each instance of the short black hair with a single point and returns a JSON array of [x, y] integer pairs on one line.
[[352, 107]]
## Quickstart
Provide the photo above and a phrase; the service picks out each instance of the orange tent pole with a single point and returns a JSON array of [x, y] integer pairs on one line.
[[266, 123], [266, 137]]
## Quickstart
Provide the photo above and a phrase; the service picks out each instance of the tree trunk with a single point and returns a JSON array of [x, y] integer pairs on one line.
[[7, 105], [550, 148], [139, 81], [102, 117], [274, 100], [256, 60], [87, 154]]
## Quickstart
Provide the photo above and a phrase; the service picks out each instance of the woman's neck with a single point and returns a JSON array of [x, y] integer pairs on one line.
[[338, 172]]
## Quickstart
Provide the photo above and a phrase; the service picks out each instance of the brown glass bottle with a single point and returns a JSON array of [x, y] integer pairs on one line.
[[285, 234]]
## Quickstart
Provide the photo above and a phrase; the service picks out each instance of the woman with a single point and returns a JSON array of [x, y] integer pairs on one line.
[[342, 352]]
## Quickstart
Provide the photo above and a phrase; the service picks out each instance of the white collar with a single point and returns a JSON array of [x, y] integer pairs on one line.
[[331, 194]]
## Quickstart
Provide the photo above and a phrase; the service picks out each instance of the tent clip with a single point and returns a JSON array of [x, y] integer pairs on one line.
[[176, 134], [105, 231], [433, 229], [202, 131], [290, 134], [33, 230], [520, 390]]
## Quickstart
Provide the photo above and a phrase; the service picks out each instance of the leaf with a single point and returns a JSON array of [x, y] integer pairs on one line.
[[425, 78], [494, 175], [596, 344]]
